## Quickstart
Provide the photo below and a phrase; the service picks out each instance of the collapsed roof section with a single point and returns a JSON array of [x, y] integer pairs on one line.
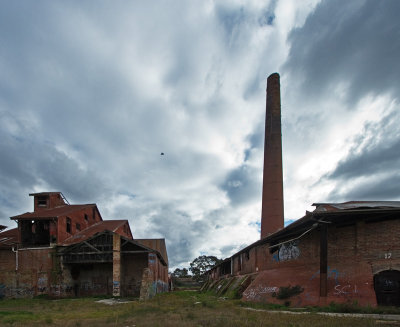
[[116, 226], [98, 248]]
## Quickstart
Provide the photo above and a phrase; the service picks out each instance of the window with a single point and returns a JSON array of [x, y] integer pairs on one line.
[[247, 255], [86, 217], [78, 226], [68, 225], [42, 201]]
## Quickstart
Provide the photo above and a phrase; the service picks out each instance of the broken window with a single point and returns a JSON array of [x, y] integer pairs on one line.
[[78, 226], [68, 225], [86, 217], [35, 233], [247, 255]]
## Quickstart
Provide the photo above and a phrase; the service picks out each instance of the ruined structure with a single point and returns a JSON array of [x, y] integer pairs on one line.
[[340, 252], [63, 250]]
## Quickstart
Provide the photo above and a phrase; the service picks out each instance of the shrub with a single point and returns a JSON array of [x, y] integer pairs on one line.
[[287, 292]]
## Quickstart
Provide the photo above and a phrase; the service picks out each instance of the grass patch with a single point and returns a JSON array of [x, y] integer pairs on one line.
[[183, 308], [353, 307]]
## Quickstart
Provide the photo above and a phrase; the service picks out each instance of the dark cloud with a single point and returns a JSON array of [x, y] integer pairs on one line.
[[28, 164], [375, 150], [370, 169], [380, 188], [353, 45]]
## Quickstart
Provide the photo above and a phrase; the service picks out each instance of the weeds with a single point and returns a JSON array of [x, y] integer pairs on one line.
[[184, 308]]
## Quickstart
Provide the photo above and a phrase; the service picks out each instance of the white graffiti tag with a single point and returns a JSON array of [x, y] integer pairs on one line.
[[289, 251]]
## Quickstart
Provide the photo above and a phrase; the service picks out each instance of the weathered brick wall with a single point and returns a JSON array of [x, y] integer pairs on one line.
[[132, 271], [93, 279], [355, 253], [154, 278], [32, 276], [77, 217]]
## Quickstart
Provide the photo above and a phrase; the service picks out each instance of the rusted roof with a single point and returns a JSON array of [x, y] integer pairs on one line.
[[9, 238], [53, 212], [352, 205], [101, 226], [157, 244]]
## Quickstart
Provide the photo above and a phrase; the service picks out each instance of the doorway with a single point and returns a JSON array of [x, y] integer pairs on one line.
[[387, 287]]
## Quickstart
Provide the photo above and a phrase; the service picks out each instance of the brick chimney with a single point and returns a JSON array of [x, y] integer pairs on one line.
[[272, 195]]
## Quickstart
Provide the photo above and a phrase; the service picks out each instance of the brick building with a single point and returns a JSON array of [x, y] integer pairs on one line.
[[339, 252], [62, 250]]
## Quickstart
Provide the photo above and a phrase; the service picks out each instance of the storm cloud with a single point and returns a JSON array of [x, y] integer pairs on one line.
[[92, 93]]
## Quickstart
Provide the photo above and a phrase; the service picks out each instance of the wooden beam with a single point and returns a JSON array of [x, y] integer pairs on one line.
[[91, 246]]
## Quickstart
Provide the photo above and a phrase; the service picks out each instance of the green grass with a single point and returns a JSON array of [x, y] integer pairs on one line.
[[183, 308]]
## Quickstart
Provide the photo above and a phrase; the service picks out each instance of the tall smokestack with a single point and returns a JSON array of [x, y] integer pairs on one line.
[[272, 195]]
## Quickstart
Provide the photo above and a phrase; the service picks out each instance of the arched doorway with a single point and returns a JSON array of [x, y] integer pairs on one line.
[[387, 287]]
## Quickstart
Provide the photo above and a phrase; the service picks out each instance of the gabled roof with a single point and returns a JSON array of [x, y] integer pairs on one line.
[[157, 244], [54, 212], [9, 238], [101, 226], [126, 247]]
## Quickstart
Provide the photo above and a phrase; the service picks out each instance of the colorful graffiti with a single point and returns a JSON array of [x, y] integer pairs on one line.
[[331, 273]]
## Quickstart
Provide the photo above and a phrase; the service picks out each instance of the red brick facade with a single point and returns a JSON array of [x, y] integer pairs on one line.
[[361, 250], [69, 250]]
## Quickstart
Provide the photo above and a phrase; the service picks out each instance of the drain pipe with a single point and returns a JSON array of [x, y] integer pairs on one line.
[[16, 258]]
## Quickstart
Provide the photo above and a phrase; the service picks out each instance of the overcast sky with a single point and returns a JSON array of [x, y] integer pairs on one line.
[[92, 92]]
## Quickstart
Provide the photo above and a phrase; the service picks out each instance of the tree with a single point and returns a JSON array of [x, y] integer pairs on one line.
[[202, 264], [180, 273]]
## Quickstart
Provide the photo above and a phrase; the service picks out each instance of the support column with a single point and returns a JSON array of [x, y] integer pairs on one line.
[[323, 262], [116, 264]]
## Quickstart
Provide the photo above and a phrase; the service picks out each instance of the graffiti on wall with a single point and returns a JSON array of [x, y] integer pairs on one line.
[[61, 289], [256, 292], [42, 284], [345, 289], [116, 290], [16, 292], [331, 273], [287, 251]]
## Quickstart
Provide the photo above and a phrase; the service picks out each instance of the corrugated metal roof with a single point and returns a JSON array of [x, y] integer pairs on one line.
[[157, 244], [320, 207], [53, 212], [101, 226]]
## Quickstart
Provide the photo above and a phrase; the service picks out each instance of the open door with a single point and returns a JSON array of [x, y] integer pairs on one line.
[[387, 287]]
